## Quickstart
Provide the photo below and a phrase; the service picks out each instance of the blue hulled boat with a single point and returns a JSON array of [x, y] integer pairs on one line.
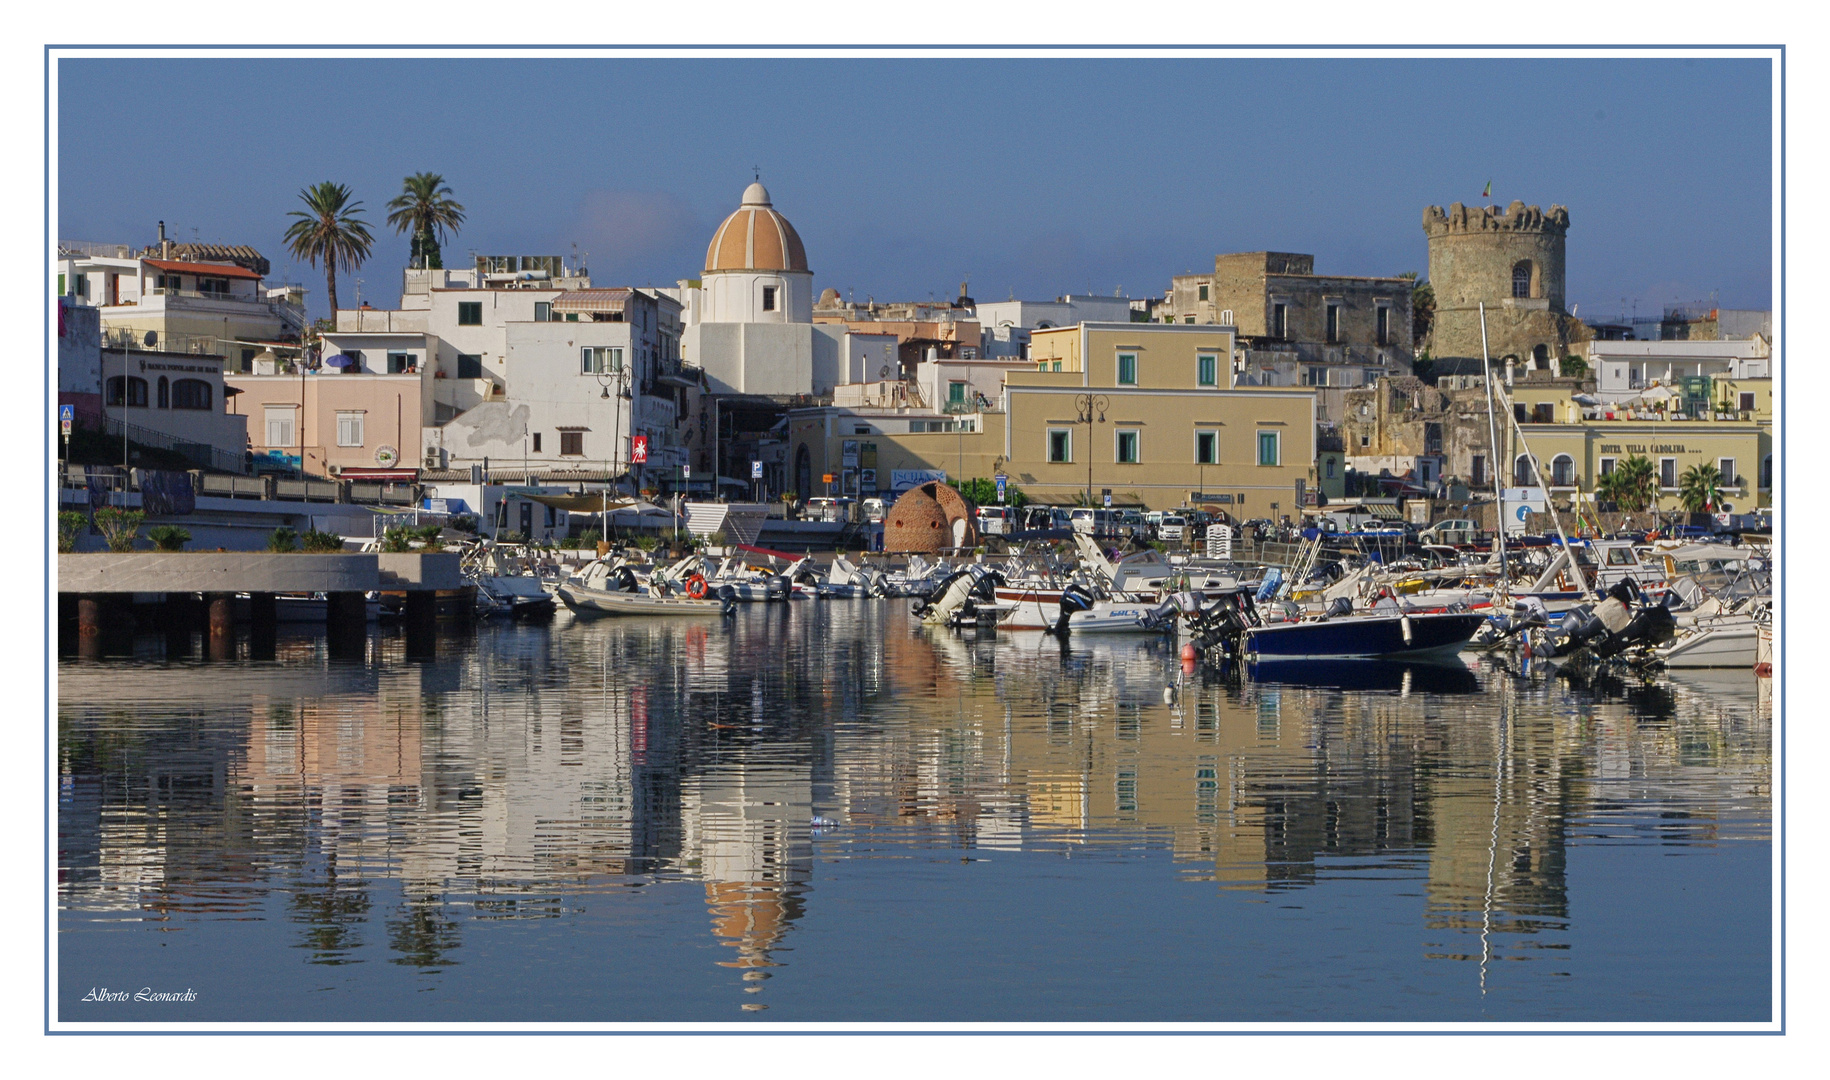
[[1381, 636]]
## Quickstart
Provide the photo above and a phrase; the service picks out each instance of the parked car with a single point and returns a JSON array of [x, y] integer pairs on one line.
[[997, 520], [1172, 527], [1097, 523], [1455, 532]]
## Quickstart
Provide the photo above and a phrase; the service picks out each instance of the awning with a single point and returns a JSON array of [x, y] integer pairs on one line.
[[595, 301], [582, 504], [389, 476], [222, 270]]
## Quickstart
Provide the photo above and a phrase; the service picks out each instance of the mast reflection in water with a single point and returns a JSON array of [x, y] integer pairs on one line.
[[823, 812]]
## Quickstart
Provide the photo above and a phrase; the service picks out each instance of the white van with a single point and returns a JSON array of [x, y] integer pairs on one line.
[[1101, 524], [997, 520]]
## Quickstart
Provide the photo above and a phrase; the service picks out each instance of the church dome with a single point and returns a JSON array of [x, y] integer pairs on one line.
[[756, 238]]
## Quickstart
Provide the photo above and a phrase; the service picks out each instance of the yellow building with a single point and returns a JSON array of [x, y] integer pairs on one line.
[[1145, 411], [1729, 424]]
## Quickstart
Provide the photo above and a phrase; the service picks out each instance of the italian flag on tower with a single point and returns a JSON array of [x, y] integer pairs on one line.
[[1488, 193]]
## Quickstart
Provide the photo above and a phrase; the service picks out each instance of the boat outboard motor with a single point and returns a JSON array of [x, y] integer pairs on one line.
[[1074, 598], [1341, 605], [1653, 625], [728, 597], [625, 579]]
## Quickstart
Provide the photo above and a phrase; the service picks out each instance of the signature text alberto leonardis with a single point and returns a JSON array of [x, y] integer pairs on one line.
[[145, 993]]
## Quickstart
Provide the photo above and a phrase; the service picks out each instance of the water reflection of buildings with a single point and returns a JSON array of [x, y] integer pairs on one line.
[[586, 757]]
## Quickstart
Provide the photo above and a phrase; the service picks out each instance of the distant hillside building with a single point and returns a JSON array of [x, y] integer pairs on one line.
[[1297, 327]]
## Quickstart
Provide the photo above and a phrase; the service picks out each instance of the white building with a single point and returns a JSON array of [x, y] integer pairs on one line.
[[532, 366], [1625, 369], [183, 298], [1004, 324]]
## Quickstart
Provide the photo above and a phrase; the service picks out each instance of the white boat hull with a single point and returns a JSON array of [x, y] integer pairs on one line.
[[1727, 644], [1042, 610], [584, 600]]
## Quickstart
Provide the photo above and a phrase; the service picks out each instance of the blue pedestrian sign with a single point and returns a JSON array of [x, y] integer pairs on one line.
[[66, 416], [1001, 479]]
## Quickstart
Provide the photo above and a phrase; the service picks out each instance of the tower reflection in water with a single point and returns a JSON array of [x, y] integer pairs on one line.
[[505, 781]]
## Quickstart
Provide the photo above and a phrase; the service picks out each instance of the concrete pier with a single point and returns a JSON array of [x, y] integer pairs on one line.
[[95, 597]]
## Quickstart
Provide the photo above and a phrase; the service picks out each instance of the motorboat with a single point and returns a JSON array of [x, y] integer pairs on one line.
[[1226, 625], [608, 587], [505, 581]]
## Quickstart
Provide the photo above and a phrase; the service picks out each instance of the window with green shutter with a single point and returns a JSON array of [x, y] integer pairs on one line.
[[1127, 369], [470, 313], [1207, 370], [1267, 448]]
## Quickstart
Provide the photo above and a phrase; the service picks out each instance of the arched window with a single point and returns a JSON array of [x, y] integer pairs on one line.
[[165, 394], [1563, 471], [1540, 355], [136, 391], [1521, 471], [191, 394], [803, 472], [1521, 279]]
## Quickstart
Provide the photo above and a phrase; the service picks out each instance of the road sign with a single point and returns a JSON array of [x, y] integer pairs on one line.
[[826, 478], [686, 472], [1001, 480], [756, 470], [66, 416], [1108, 498], [638, 450]]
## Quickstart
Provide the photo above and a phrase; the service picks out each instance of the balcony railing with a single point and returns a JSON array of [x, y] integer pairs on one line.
[[202, 453]]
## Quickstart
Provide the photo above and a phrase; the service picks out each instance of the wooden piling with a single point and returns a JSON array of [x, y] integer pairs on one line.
[[222, 626], [89, 626]]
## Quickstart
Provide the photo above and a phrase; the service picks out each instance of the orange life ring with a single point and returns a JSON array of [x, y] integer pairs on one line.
[[695, 586]]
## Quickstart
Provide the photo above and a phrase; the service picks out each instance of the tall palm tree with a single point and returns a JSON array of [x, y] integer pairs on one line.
[[425, 206], [1700, 488], [329, 229], [1631, 486]]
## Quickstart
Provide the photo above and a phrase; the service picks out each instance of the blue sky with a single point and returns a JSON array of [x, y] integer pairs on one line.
[[1032, 177]]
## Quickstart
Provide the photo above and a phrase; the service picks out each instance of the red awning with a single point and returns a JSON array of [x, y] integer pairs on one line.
[[176, 266], [395, 476]]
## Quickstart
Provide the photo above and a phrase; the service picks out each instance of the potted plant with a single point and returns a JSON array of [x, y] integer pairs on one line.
[[119, 527], [168, 537], [70, 525]]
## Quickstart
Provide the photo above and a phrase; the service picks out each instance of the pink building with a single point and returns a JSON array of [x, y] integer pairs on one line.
[[335, 421]]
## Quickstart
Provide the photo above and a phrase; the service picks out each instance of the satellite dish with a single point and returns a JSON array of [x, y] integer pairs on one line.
[[152, 338]]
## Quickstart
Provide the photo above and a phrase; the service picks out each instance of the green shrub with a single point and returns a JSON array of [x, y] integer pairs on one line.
[[119, 527], [426, 534], [462, 523], [568, 543], [510, 536], [70, 525], [395, 540], [590, 538], [321, 542], [646, 543], [283, 539], [168, 537]]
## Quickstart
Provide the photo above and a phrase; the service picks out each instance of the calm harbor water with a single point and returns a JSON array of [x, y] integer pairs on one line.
[[821, 812]]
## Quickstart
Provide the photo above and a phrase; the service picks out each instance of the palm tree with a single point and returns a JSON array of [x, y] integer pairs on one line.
[[329, 230], [1700, 488], [425, 206], [1631, 486]]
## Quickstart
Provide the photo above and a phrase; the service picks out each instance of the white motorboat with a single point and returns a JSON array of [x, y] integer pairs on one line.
[[1715, 641], [607, 589]]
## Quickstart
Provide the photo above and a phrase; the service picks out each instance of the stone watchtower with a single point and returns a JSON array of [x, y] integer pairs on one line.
[[1510, 260]]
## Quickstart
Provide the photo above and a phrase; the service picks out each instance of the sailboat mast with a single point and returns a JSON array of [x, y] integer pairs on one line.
[[1493, 436]]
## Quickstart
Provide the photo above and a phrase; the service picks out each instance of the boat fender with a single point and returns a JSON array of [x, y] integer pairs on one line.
[[1404, 623]]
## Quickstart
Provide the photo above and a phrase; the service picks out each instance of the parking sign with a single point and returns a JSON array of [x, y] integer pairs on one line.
[[756, 470]]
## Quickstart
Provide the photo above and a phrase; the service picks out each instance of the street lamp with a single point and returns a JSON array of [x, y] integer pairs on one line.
[[1090, 406], [619, 377]]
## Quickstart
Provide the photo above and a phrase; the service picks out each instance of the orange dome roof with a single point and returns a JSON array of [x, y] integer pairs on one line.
[[756, 238]]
